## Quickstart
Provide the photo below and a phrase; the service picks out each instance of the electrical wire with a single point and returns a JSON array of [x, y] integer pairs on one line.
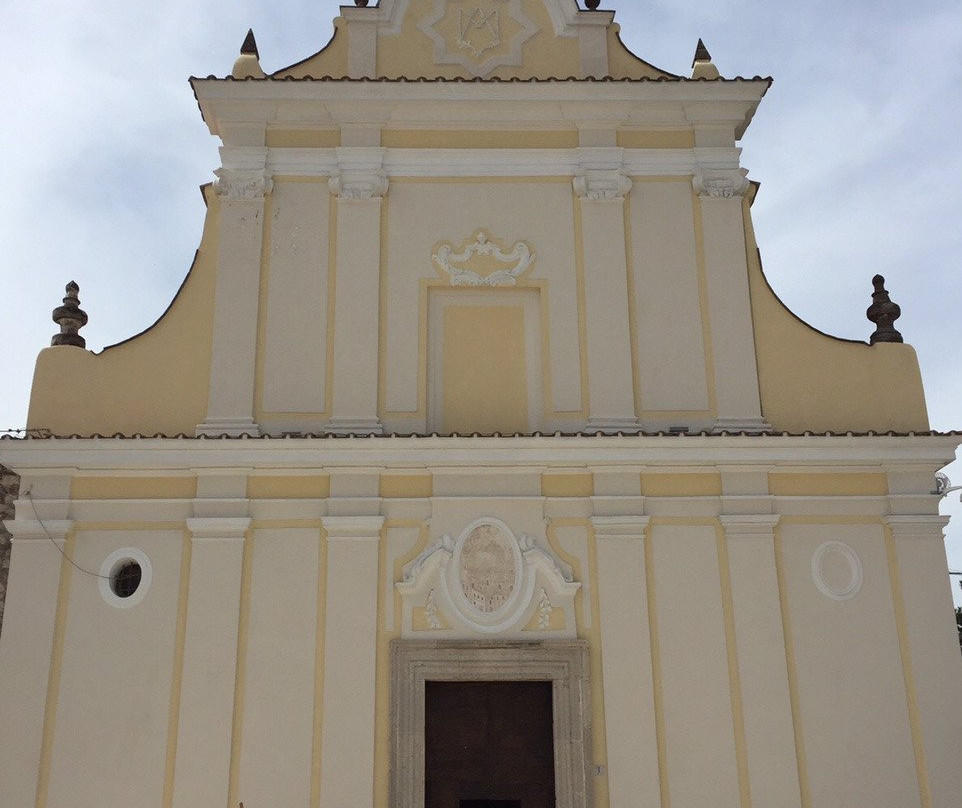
[[36, 515]]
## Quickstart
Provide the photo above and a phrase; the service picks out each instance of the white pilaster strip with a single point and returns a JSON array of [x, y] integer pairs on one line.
[[933, 652], [202, 770], [633, 777], [26, 646], [362, 48], [243, 182], [763, 671], [350, 654], [593, 42], [359, 185], [721, 193], [602, 187]]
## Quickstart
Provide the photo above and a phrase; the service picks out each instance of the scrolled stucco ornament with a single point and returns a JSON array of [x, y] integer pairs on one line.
[[456, 264]]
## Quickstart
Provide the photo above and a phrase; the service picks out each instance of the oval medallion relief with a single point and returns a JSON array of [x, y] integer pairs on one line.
[[837, 570], [488, 568]]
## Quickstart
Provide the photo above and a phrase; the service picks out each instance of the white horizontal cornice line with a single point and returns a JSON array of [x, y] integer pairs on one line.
[[441, 163], [400, 93], [810, 452], [293, 104]]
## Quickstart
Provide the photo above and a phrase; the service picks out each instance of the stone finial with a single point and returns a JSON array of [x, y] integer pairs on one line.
[[702, 65], [248, 63], [71, 318], [592, 5], [361, 3], [883, 312], [250, 45]]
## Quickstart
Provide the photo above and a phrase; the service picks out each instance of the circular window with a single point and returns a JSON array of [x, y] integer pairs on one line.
[[125, 577], [125, 581]]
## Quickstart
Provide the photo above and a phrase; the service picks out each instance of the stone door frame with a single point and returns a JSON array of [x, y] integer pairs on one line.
[[564, 663]]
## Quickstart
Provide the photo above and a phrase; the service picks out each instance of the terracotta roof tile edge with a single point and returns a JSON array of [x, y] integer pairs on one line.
[[493, 80], [477, 435]]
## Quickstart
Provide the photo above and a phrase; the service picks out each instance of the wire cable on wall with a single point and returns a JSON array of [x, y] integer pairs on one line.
[[60, 550]]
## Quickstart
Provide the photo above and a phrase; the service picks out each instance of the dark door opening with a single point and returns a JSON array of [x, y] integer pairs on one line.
[[489, 745]]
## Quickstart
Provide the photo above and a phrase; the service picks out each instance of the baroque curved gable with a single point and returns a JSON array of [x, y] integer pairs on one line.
[[474, 39]]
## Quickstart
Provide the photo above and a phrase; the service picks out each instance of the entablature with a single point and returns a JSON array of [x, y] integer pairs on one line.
[[801, 453], [724, 106]]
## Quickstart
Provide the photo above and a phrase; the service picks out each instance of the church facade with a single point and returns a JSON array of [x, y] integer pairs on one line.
[[476, 465]]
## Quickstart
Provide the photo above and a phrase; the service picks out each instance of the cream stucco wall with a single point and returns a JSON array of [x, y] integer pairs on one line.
[[766, 617], [807, 377], [704, 622], [154, 383], [158, 382]]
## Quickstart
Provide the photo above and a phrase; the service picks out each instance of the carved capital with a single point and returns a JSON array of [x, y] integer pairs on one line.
[[353, 185], [620, 527], [245, 184], [721, 183], [917, 526], [604, 185], [749, 525], [601, 175], [360, 174]]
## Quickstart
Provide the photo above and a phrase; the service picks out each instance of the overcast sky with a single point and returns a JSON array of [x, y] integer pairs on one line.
[[857, 147]]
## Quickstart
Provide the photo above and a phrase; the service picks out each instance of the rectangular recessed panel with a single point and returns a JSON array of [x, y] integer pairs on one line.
[[485, 379], [295, 356]]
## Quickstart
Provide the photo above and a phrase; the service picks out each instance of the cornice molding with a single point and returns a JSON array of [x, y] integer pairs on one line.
[[796, 453], [663, 105], [445, 163]]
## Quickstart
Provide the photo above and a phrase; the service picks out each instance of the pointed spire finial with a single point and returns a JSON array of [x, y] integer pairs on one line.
[[249, 48], [701, 54], [883, 312], [71, 318], [248, 65], [702, 65]]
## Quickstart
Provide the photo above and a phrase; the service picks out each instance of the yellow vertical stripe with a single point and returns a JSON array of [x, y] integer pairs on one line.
[[656, 669], [800, 755], [53, 679], [319, 671], [905, 652], [582, 310], [240, 674], [599, 734], [177, 676], [734, 673], [703, 297]]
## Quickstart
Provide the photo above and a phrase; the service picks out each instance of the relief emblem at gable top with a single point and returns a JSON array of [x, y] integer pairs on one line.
[[474, 39]]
